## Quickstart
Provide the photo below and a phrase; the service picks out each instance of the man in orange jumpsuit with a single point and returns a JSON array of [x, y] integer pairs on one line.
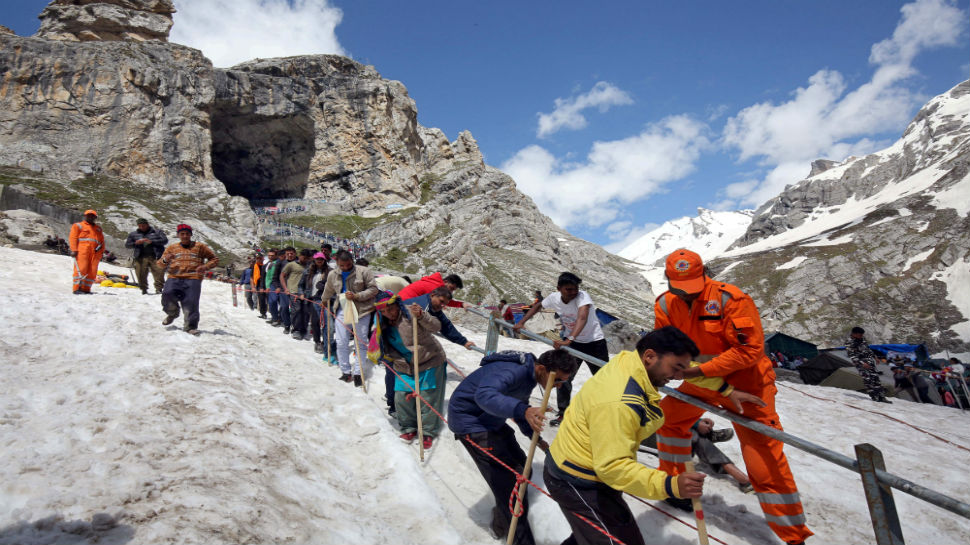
[[87, 246], [724, 323]]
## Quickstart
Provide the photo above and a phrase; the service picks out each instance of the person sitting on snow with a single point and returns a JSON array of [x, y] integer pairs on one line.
[[702, 445]]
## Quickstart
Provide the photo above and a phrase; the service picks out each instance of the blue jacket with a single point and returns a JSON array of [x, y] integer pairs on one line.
[[448, 330], [247, 276], [496, 391]]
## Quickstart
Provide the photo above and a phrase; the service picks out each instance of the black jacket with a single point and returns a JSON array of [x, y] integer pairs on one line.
[[158, 238]]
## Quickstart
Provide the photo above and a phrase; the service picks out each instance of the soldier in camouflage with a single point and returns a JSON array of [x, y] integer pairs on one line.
[[865, 361]]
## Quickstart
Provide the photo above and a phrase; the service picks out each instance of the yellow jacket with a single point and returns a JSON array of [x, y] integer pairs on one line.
[[606, 421]]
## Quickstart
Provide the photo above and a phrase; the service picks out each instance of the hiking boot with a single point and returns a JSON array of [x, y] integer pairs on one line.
[[192, 332], [556, 421], [719, 436], [358, 381], [276, 323], [318, 348], [144, 292], [169, 319], [746, 488], [346, 377], [78, 292], [884, 400], [408, 437], [296, 335], [286, 330], [263, 316], [683, 504], [428, 440]]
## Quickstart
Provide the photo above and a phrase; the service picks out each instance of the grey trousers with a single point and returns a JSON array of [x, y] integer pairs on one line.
[[184, 292], [407, 415], [144, 264]]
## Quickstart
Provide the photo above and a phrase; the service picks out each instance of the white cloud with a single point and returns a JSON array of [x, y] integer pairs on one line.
[[622, 234], [822, 120], [232, 31], [568, 112], [613, 174]]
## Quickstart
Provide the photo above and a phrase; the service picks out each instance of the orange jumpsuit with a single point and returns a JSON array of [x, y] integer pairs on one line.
[[88, 241], [724, 323]]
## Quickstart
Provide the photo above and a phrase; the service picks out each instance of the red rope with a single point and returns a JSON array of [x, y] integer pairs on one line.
[[519, 478]]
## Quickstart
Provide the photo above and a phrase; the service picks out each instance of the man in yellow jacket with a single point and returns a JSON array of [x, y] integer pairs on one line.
[[87, 247], [593, 458]]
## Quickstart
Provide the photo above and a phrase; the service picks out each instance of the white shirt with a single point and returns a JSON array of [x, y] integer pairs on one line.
[[569, 314]]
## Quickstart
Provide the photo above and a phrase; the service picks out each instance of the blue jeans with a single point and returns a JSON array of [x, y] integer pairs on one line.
[[274, 304], [285, 309]]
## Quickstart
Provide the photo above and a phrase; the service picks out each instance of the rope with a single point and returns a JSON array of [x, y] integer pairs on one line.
[[520, 478], [894, 419]]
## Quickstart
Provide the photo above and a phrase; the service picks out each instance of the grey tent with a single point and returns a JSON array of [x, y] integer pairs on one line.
[[789, 346], [821, 366]]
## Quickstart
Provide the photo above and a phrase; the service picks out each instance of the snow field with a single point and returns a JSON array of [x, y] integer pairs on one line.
[[243, 435]]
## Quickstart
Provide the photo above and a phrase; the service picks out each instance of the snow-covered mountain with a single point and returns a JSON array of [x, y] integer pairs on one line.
[[709, 233], [881, 241], [120, 434]]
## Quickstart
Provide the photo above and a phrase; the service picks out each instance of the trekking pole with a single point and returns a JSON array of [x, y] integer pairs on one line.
[[698, 512], [550, 384], [417, 386]]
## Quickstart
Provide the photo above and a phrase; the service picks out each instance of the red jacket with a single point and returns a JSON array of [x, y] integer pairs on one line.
[[427, 284]]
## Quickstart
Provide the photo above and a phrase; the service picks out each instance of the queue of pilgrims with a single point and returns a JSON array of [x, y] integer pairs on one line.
[[707, 334]]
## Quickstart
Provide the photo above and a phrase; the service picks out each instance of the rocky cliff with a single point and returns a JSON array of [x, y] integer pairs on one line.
[[881, 241], [148, 128]]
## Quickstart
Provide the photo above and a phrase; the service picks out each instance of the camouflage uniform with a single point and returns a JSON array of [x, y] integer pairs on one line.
[[861, 355]]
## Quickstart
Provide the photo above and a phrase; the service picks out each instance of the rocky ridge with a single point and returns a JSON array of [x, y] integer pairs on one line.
[[106, 20], [152, 129]]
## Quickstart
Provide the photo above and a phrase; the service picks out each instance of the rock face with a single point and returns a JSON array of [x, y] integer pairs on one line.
[[881, 241], [106, 20], [152, 129]]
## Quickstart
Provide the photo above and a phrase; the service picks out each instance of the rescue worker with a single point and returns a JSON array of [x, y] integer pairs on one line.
[[593, 458], [147, 245], [87, 246], [865, 362], [724, 323], [186, 261]]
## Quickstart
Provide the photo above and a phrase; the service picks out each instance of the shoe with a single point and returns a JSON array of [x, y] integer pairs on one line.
[[192, 332], [391, 412], [719, 436], [428, 440], [884, 400], [276, 323], [318, 348], [358, 381], [78, 292], [333, 360], [158, 292], [555, 422], [746, 488], [263, 316], [286, 330], [408, 437], [346, 377], [169, 319], [144, 292], [683, 504], [297, 336]]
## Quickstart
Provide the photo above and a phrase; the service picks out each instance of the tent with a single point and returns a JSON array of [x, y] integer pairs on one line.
[[915, 352], [848, 378], [789, 346], [821, 366], [604, 317]]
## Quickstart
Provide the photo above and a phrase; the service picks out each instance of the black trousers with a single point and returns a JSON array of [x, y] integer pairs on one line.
[[261, 303], [502, 445], [597, 349], [597, 502]]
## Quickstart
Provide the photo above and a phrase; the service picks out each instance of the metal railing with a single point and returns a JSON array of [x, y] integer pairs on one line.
[[876, 481]]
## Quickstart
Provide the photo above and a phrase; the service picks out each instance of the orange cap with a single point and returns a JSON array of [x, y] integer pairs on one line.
[[90, 211], [685, 271]]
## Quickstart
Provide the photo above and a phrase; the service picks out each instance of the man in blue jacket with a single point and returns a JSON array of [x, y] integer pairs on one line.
[[481, 404]]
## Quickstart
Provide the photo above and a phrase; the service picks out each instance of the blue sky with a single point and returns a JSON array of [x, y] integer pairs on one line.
[[618, 116]]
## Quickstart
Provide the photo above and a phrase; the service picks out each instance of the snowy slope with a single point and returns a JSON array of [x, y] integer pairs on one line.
[[117, 429], [709, 234]]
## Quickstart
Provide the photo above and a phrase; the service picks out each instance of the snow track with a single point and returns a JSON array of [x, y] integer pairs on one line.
[[116, 429]]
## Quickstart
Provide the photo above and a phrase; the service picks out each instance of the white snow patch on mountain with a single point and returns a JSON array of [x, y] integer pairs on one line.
[[918, 258], [709, 234], [957, 280], [117, 429], [791, 264], [957, 197], [825, 241]]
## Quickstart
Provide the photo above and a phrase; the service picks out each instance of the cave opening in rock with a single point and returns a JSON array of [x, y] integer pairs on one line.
[[260, 157]]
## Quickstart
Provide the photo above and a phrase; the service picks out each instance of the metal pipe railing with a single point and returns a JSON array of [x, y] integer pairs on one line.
[[931, 496]]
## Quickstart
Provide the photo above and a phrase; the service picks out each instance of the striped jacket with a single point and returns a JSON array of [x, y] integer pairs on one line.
[[606, 421], [182, 262]]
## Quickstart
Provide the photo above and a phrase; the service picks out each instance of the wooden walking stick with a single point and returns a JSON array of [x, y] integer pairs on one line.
[[417, 386], [550, 382], [698, 512]]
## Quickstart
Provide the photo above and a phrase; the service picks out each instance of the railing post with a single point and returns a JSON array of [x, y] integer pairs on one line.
[[882, 507], [491, 337], [235, 301]]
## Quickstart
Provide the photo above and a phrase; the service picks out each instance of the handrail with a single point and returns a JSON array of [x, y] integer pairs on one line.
[[931, 496]]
